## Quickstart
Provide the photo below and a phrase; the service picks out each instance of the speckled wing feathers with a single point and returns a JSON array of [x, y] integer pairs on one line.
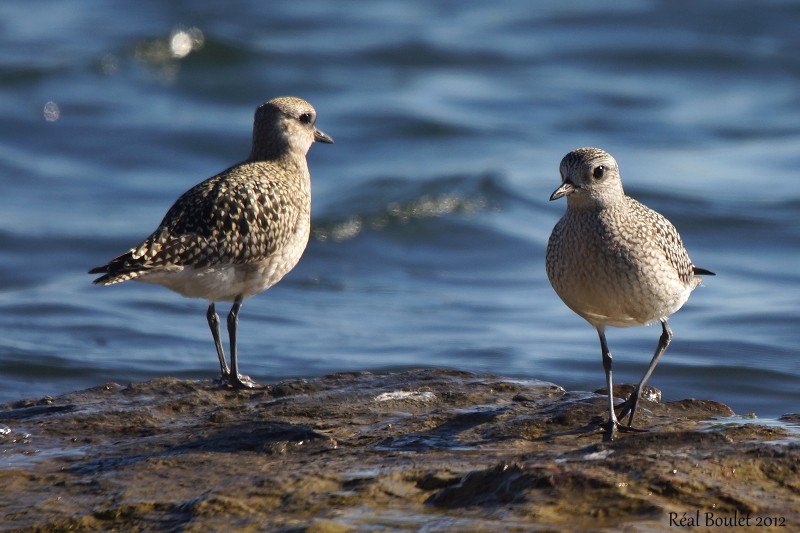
[[665, 237], [241, 215]]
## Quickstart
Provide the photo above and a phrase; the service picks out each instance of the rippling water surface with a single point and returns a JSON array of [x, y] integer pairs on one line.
[[430, 212]]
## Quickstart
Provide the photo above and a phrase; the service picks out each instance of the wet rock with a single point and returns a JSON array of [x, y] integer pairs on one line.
[[436, 449]]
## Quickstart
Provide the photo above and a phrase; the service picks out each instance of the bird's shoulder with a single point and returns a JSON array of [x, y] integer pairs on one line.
[[649, 221], [660, 234]]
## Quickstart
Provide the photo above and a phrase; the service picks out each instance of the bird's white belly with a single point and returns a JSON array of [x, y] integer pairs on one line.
[[226, 282], [623, 299]]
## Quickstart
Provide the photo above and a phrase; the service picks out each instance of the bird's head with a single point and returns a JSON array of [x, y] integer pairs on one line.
[[285, 124], [589, 177]]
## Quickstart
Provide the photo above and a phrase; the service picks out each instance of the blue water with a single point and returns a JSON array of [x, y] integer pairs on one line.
[[431, 211]]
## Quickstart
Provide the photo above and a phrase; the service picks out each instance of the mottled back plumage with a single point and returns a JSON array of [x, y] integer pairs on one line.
[[243, 215]]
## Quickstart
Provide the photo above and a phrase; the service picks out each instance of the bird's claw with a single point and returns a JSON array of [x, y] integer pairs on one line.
[[239, 381], [611, 428]]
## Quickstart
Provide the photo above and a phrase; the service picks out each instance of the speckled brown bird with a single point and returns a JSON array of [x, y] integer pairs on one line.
[[616, 262], [237, 233]]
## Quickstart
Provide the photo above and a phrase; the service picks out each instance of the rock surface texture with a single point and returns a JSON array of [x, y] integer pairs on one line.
[[437, 449]]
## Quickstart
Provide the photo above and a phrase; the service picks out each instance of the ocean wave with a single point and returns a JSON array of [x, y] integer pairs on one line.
[[391, 202]]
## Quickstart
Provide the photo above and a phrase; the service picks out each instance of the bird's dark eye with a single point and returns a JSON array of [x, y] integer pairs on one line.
[[306, 118], [598, 172]]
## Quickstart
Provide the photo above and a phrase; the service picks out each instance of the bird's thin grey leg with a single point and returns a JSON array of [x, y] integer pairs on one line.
[[612, 417], [613, 423], [236, 380], [630, 404], [213, 323]]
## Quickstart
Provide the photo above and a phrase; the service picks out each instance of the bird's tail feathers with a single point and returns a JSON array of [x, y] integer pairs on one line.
[[123, 268]]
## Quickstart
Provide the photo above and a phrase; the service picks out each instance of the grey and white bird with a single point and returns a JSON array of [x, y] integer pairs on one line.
[[616, 262], [238, 233]]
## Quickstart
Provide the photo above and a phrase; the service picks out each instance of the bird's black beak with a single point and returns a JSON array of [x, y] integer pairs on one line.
[[566, 189], [322, 137]]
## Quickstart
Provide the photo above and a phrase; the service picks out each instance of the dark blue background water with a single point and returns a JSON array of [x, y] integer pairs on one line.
[[430, 211]]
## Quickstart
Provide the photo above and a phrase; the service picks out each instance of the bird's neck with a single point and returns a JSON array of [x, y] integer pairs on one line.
[[295, 161], [595, 202], [583, 203], [271, 150]]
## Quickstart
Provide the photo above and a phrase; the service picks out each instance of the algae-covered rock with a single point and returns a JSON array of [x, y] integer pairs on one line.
[[436, 449]]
